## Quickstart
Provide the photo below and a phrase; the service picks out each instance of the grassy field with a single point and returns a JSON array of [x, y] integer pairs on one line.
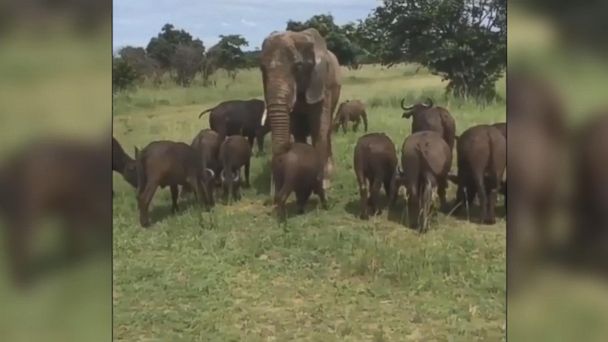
[[235, 274]]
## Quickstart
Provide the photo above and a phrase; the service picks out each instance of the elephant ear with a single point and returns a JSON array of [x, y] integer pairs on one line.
[[315, 51]]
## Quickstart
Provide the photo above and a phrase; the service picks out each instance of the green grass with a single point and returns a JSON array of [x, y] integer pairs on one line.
[[235, 274]]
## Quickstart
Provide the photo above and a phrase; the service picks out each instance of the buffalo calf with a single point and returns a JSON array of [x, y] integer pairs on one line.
[[167, 163], [375, 161], [301, 170], [235, 153], [482, 158], [426, 160]]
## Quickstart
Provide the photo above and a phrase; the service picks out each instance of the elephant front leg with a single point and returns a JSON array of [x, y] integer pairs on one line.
[[321, 139]]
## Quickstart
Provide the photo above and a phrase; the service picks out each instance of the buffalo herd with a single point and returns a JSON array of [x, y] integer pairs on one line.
[[217, 156]]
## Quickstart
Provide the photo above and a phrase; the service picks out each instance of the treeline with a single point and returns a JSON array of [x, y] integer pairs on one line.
[[462, 41]]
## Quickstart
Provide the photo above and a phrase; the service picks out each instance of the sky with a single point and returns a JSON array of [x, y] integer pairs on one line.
[[136, 21]]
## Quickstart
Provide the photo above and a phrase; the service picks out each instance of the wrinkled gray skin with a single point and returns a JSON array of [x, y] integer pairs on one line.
[[353, 111], [300, 170], [301, 79], [482, 159], [167, 163], [235, 153], [375, 161], [428, 117], [426, 160]]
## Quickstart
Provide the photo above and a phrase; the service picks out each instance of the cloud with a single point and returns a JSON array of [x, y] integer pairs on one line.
[[248, 23], [225, 24]]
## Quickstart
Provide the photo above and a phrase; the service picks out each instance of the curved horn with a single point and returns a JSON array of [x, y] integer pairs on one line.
[[429, 102], [222, 176], [210, 171], [237, 176]]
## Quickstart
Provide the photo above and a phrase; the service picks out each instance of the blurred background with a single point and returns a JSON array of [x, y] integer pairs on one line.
[[55, 185], [558, 171]]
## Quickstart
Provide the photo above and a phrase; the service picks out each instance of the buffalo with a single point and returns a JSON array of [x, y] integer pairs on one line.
[[428, 117]]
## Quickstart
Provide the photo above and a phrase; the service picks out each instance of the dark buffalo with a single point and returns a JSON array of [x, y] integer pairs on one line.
[[425, 160], [242, 117], [301, 170], [375, 162], [207, 146], [64, 179], [427, 117], [123, 163], [235, 153], [167, 163], [482, 158]]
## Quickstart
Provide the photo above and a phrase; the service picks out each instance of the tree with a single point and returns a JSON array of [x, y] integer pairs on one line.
[[124, 75], [336, 38], [163, 46], [137, 58], [187, 61], [464, 41], [227, 54]]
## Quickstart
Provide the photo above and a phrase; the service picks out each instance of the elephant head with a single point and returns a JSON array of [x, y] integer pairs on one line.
[[294, 66], [417, 108]]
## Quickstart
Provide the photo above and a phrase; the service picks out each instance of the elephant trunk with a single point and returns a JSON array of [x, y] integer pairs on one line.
[[279, 105]]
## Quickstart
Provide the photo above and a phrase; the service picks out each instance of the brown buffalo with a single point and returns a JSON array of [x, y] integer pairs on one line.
[[427, 117], [167, 163], [426, 160], [301, 170], [123, 164], [353, 111], [481, 166], [375, 162], [207, 146], [234, 154]]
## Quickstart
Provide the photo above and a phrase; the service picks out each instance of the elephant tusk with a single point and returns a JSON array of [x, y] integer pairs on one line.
[[264, 117]]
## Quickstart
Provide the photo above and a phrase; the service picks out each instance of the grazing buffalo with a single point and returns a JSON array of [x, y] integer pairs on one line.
[[300, 169], [375, 162], [235, 153], [123, 164], [65, 179], [427, 117], [425, 160], [482, 158], [167, 163], [243, 117], [353, 111]]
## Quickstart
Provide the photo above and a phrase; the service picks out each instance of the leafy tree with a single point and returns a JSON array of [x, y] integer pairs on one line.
[[336, 38], [137, 58], [227, 54], [124, 75], [187, 61], [163, 46], [464, 41]]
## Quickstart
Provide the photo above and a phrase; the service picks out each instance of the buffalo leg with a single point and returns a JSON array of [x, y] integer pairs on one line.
[[363, 193], [247, 184], [483, 198], [442, 185], [174, 193], [321, 193], [143, 202], [301, 199], [281, 198], [374, 194]]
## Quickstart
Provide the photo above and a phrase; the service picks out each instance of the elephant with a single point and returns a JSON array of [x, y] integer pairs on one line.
[[350, 110], [301, 80]]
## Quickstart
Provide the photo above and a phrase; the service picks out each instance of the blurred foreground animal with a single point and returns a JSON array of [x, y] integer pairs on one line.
[[243, 117], [425, 160], [301, 170], [353, 111], [167, 163], [61, 179], [375, 162]]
